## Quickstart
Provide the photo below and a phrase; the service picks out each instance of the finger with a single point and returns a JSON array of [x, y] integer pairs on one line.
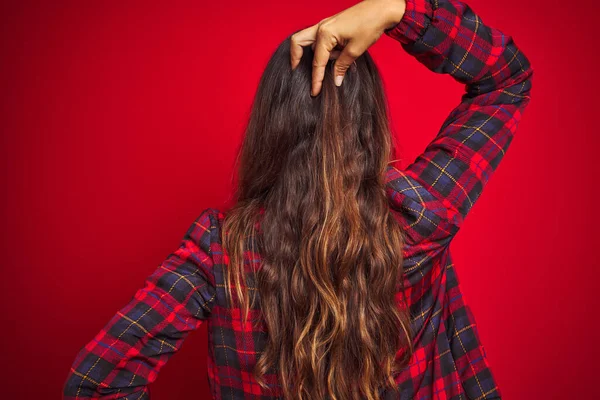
[[302, 38], [343, 62], [324, 45]]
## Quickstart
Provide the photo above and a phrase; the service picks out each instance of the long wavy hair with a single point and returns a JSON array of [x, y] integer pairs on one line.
[[310, 201]]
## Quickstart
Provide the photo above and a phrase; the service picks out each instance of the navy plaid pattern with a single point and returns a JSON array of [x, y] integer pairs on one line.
[[430, 198]]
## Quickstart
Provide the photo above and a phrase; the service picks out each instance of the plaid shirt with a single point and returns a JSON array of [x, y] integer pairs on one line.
[[431, 199]]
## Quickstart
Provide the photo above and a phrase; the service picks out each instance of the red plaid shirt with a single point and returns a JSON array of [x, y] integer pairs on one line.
[[431, 197]]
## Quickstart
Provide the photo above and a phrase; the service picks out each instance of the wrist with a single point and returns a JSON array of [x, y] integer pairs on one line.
[[394, 11]]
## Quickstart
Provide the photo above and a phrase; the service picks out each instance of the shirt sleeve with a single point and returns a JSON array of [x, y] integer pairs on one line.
[[446, 180], [127, 354]]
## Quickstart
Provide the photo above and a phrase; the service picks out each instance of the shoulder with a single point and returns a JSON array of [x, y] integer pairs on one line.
[[424, 217], [211, 216], [206, 227]]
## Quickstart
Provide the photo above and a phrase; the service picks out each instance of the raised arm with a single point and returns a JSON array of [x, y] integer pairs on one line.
[[447, 179], [127, 354]]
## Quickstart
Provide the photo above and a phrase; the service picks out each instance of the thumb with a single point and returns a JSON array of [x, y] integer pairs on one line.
[[342, 63]]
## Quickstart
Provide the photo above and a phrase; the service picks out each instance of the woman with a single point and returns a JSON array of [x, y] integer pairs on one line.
[[331, 276]]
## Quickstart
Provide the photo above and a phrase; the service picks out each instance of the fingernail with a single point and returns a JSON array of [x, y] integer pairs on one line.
[[338, 80]]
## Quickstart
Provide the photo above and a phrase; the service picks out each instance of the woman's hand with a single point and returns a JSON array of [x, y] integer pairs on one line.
[[345, 36]]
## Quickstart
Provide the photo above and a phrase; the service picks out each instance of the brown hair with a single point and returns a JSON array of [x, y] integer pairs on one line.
[[310, 199]]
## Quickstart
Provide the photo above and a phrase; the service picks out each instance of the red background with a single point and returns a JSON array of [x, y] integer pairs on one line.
[[120, 122]]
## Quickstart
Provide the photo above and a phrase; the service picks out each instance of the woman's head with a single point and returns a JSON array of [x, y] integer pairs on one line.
[[311, 200], [342, 127]]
